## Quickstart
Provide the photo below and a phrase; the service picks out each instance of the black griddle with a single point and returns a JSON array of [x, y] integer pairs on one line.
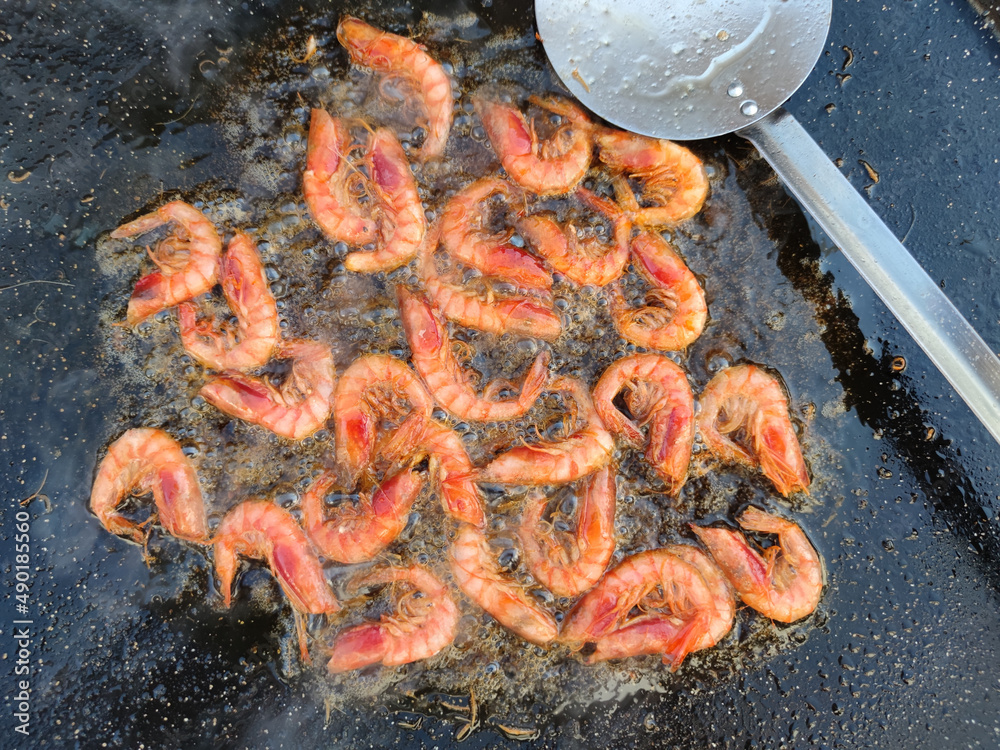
[[100, 96]]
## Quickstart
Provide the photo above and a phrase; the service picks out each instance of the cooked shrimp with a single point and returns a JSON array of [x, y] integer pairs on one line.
[[400, 214], [260, 530], [566, 563], [453, 472], [399, 59], [674, 603], [479, 576], [148, 460], [466, 237], [674, 181], [657, 392], [331, 184], [424, 621], [723, 611], [676, 312], [245, 289], [297, 409], [584, 452], [187, 258], [549, 167], [356, 533], [377, 389], [785, 583], [582, 261], [516, 315], [451, 387], [744, 419]]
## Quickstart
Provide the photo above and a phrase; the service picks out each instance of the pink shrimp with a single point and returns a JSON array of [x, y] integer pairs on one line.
[[377, 389], [584, 452], [549, 167], [424, 622], [723, 611], [676, 312], [466, 237], [187, 258], [399, 59], [674, 606], [245, 289], [331, 183], [450, 386], [674, 181], [400, 214], [744, 403], [657, 392], [453, 473], [569, 564], [786, 583], [149, 460], [260, 530], [516, 315], [582, 261], [357, 533], [297, 409], [478, 575]]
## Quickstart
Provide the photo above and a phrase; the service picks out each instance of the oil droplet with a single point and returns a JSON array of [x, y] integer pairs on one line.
[[722, 35], [898, 364], [749, 108], [735, 89]]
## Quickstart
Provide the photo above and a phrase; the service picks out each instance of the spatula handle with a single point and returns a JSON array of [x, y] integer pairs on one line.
[[917, 302]]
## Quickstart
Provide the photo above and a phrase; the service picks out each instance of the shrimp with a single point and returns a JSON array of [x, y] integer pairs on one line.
[[657, 392], [149, 460], [569, 564], [582, 261], [723, 611], [261, 530], [516, 315], [743, 404], [453, 472], [785, 584], [466, 237], [377, 388], [330, 182], [479, 576], [673, 602], [450, 386], [401, 220], [187, 258], [424, 622], [297, 409], [399, 59], [245, 289], [550, 167], [674, 181], [356, 533], [676, 312], [584, 452]]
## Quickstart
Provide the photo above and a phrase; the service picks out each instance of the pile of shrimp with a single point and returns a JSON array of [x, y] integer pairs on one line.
[[487, 261]]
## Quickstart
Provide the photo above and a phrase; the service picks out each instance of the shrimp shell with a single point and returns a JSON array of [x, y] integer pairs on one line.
[[187, 258], [786, 583], [245, 289], [424, 623], [479, 577], [658, 393], [450, 386], [746, 399], [149, 460], [569, 564], [401, 58]]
